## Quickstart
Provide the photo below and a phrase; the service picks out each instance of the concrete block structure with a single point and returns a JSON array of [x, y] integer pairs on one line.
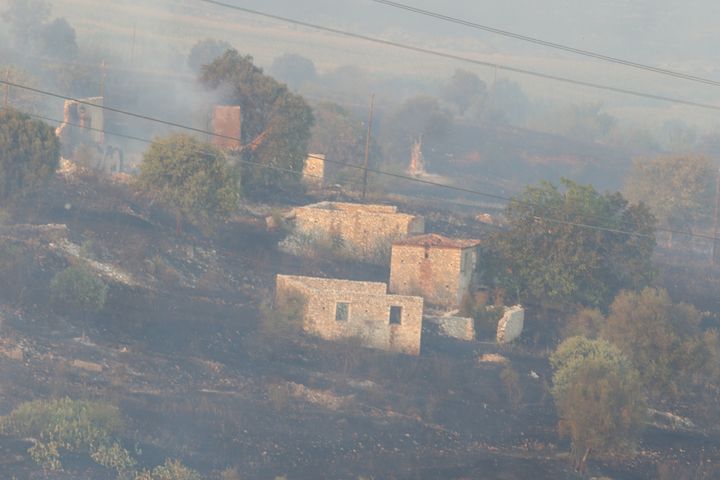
[[363, 231], [335, 309], [227, 121], [437, 268], [314, 171]]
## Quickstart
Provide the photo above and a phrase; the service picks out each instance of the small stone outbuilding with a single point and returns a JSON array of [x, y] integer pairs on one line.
[[335, 309], [437, 268], [363, 231], [314, 171]]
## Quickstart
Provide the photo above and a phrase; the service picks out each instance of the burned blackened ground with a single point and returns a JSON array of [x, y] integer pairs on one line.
[[178, 348]]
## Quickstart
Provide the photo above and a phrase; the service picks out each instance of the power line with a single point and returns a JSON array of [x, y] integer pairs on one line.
[[359, 167], [557, 46], [460, 58], [148, 141], [466, 190], [118, 110]]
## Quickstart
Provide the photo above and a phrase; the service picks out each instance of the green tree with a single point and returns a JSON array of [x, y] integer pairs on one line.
[[663, 339], [192, 178], [204, 52], [417, 119], [59, 40], [464, 90], [26, 19], [20, 99], [598, 397], [29, 154], [549, 254], [293, 69], [679, 189], [276, 123], [78, 290], [341, 137]]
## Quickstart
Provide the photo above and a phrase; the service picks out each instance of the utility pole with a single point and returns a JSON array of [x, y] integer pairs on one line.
[[715, 223], [6, 102], [367, 145], [132, 49]]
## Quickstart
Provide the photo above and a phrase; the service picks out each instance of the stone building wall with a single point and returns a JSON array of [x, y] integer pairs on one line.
[[511, 324], [364, 231], [314, 171], [461, 328], [227, 121], [368, 312], [439, 269]]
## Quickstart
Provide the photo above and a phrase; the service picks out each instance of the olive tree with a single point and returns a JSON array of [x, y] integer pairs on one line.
[[598, 396], [192, 177], [29, 154]]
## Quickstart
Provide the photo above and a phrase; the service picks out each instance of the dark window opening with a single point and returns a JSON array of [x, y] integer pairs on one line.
[[395, 315], [342, 311]]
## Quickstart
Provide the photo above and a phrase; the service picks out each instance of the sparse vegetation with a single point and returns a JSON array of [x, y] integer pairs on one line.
[[59, 427]]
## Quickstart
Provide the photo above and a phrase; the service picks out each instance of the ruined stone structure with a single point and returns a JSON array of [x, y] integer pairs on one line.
[[511, 324], [461, 328], [335, 309], [82, 125], [314, 171], [227, 121], [439, 269], [363, 231]]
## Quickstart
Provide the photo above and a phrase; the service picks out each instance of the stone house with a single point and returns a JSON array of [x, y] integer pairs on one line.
[[363, 231], [437, 268], [335, 309]]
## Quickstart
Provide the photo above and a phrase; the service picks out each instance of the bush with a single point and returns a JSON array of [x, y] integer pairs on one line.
[[598, 397], [170, 470], [70, 426], [76, 289]]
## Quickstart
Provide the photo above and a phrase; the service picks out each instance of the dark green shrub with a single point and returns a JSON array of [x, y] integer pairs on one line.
[[78, 290]]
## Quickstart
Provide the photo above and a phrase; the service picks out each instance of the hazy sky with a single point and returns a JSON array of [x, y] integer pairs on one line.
[[672, 34]]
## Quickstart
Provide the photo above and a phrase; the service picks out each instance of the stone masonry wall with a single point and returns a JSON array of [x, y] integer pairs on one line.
[[368, 312], [227, 121], [511, 324], [461, 328], [314, 171], [436, 274], [365, 231]]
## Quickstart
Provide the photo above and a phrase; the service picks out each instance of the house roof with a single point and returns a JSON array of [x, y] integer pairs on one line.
[[437, 241]]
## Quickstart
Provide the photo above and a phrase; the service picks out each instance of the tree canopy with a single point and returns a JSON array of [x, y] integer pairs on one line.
[[341, 136], [663, 339], [191, 177], [679, 189], [293, 69], [29, 154], [569, 246], [598, 397], [464, 89], [276, 123], [205, 51], [419, 118]]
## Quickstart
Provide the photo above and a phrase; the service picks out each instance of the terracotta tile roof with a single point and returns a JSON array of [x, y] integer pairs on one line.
[[437, 241]]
